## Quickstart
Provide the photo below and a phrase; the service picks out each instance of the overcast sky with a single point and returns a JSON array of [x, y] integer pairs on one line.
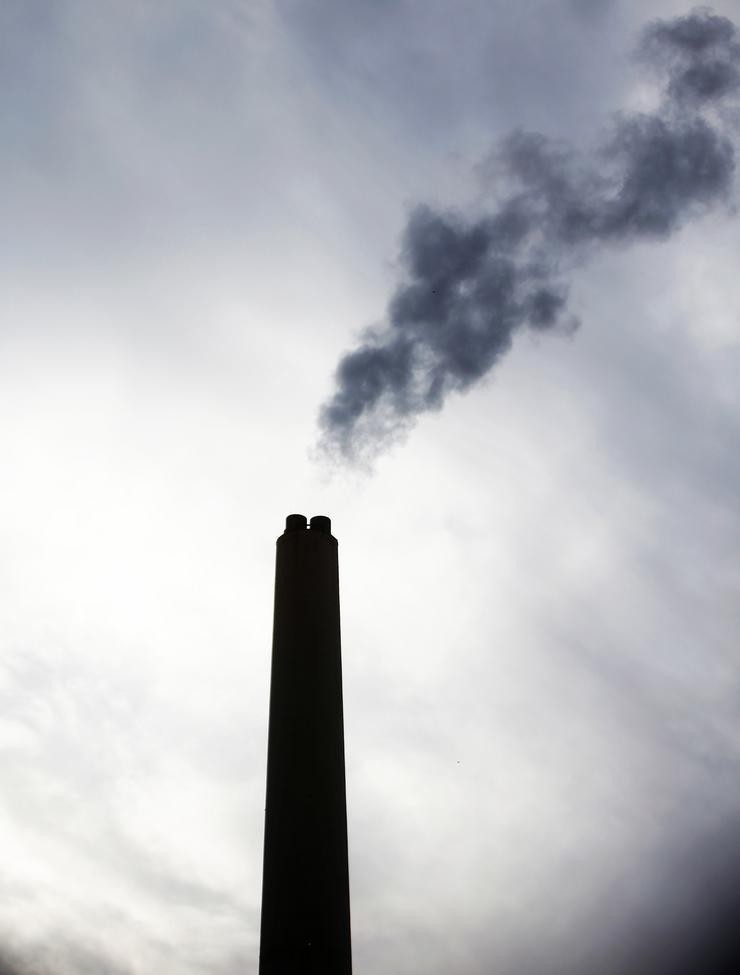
[[203, 209]]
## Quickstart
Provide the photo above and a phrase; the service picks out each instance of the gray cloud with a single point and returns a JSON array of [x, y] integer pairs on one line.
[[57, 958], [681, 921], [10, 965], [592, 11], [471, 284]]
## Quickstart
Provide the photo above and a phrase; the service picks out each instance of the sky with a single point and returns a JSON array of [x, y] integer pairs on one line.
[[209, 210]]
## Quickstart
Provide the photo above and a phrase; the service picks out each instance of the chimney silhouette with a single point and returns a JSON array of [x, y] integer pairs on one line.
[[305, 926]]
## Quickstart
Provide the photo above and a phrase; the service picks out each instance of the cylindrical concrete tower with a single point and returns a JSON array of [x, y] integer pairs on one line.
[[305, 924]]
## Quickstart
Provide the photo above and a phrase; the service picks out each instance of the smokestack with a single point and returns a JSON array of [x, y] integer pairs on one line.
[[305, 924]]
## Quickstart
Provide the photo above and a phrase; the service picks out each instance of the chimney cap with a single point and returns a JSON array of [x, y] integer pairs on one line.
[[295, 523], [320, 523]]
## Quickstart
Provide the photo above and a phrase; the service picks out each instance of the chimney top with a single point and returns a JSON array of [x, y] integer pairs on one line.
[[319, 523]]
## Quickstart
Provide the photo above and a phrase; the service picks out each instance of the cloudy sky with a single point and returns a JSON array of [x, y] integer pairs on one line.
[[205, 207]]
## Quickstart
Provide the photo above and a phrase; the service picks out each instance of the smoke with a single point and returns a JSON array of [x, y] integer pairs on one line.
[[470, 285]]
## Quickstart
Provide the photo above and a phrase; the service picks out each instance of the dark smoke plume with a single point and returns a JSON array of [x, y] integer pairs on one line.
[[471, 284]]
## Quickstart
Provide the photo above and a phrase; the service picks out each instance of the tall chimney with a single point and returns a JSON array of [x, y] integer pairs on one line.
[[305, 924]]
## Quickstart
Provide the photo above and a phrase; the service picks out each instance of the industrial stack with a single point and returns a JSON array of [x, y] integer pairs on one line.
[[305, 925]]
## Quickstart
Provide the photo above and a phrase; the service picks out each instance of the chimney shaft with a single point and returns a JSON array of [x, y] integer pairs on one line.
[[305, 925]]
